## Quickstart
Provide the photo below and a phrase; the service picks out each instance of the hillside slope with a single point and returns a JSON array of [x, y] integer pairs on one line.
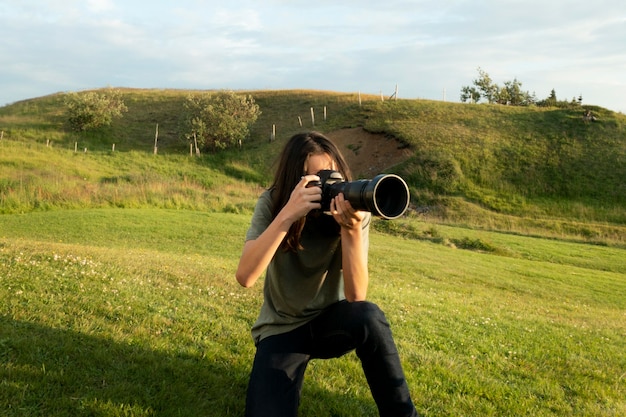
[[469, 164]]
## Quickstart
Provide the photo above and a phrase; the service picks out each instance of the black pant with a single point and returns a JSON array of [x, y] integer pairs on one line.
[[280, 361]]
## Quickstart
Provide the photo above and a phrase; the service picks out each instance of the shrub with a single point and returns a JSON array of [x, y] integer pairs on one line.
[[220, 120], [91, 110]]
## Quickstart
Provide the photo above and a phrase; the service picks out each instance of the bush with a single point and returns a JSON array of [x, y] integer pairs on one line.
[[92, 110], [220, 120]]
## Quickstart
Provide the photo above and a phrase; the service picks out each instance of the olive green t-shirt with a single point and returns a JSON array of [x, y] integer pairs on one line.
[[299, 285]]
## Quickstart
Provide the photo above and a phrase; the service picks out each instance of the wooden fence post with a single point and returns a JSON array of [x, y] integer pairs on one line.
[[195, 141], [324, 113], [156, 138], [312, 117], [300, 121]]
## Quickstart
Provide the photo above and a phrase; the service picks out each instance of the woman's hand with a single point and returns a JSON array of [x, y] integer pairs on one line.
[[303, 199], [344, 213]]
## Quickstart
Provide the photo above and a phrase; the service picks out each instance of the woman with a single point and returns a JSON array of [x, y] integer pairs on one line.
[[315, 287]]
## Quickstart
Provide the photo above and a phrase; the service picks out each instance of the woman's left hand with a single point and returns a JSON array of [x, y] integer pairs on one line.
[[344, 214]]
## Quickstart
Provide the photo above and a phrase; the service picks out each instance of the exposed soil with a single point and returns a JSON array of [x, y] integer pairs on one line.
[[368, 154]]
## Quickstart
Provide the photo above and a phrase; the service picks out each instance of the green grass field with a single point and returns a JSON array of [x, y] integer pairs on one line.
[[505, 285], [135, 312]]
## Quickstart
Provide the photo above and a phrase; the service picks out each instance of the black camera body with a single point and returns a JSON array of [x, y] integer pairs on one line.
[[386, 195]]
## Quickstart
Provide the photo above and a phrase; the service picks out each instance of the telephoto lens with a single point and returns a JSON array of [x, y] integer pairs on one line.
[[386, 195]]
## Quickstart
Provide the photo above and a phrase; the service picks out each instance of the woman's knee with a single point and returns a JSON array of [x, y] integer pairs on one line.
[[375, 332], [369, 315]]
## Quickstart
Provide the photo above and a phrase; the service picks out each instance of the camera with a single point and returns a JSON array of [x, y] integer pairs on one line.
[[386, 195]]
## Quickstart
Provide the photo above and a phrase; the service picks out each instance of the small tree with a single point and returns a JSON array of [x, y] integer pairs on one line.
[[470, 94], [217, 121], [485, 88], [488, 89], [91, 110], [512, 94]]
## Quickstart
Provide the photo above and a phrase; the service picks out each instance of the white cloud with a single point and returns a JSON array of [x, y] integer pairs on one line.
[[424, 46], [98, 6]]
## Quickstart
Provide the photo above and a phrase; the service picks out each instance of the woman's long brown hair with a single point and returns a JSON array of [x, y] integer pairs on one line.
[[291, 168]]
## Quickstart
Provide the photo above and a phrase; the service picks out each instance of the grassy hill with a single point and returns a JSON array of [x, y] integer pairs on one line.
[[521, 169]]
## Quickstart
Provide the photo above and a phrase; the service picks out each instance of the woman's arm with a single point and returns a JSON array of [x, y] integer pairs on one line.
[[258, 253], [354, 252]]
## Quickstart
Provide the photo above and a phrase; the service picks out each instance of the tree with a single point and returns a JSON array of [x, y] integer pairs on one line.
[[92, 110], [488, 89], [219, 120], [514, 95], [470, 94], [484, 87]]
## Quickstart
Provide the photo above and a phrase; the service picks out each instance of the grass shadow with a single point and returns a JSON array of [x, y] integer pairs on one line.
[[55, 372], [59, 372]]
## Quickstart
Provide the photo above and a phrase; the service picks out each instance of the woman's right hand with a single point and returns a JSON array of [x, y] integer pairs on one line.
[[303, 198]]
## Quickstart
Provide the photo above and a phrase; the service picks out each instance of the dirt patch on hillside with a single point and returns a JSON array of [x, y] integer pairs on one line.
[[368, 154]]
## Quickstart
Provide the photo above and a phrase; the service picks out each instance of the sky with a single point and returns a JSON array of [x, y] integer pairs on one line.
[[429, 49]]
